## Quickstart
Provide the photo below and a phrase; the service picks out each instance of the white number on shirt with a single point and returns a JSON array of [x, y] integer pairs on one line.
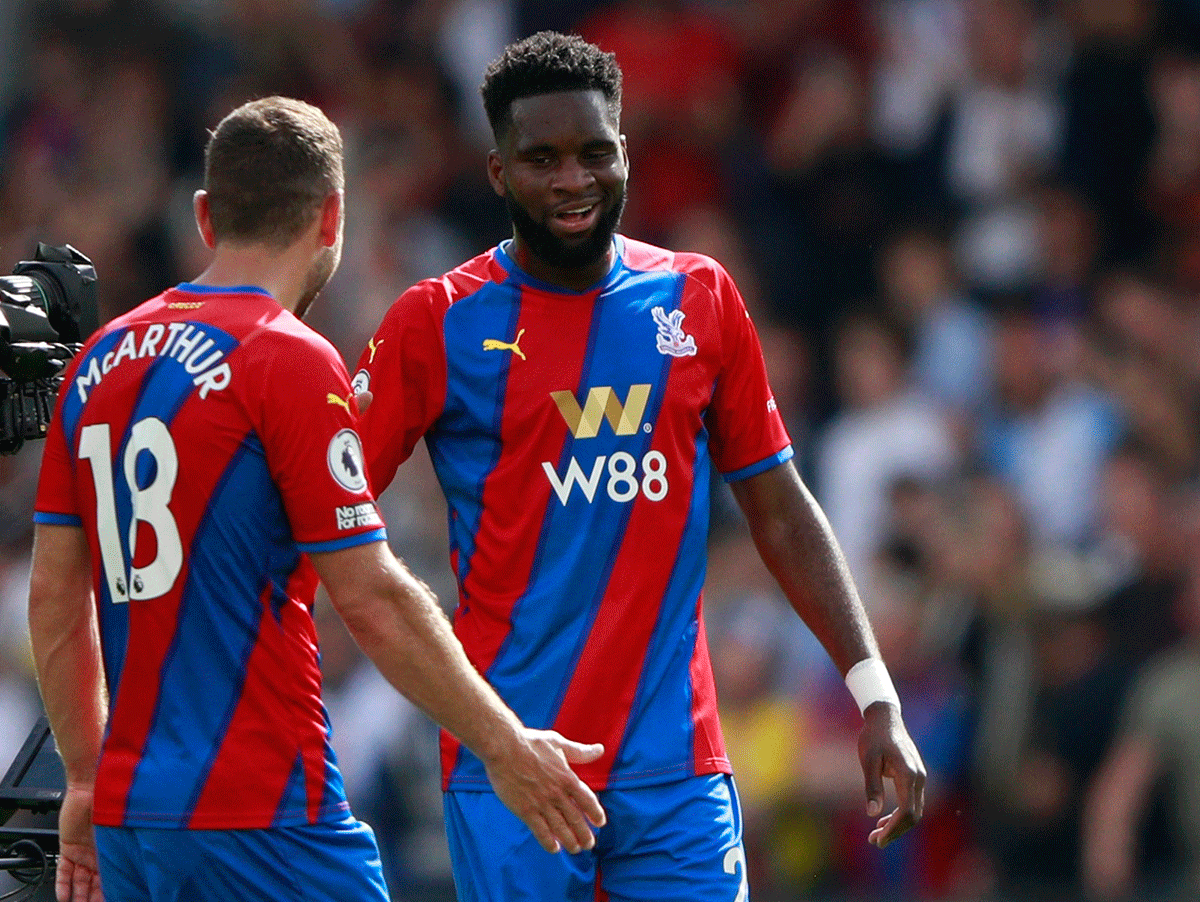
[[148, 504]]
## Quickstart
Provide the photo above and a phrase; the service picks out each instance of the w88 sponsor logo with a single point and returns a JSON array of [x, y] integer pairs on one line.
[[621, 475]]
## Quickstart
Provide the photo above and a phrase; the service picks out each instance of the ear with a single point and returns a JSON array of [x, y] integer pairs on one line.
[[331, 219], [495, 171], [204, 218]]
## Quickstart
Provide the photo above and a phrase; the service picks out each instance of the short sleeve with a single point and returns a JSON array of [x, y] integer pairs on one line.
[[305, 419], [404, 368], [747, 434], [57, 502]]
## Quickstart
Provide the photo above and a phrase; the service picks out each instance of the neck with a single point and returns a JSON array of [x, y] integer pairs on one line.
[[281, 273], [572, 278]]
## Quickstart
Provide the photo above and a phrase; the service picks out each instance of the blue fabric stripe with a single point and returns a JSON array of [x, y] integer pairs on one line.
[[672, 644], [72, 406], [564, 655], [113, 619], [520, 277], [762, 466], [293, 798], [193, 288], [476, 382], [176, 732], [579, 542], [56, 519], [362, 538], [476, 385], [611, 322], [221, 614], [165, 387]]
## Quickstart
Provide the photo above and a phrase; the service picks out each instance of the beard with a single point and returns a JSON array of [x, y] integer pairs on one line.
[[318, 274], [552, 250]]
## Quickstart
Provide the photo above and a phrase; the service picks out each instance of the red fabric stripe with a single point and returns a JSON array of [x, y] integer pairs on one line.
[[229, 786], [601, 895], [152, 624], [310, 724], [256, 783], [708, 743], [151, 629], [600, 697], [557, 329]]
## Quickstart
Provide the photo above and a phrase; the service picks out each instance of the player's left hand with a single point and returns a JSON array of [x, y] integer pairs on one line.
[[886, 751], [78, 875], [535, 780]]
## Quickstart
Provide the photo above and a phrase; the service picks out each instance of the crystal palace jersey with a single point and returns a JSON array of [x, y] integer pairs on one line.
[[204, 442], [574, 436]]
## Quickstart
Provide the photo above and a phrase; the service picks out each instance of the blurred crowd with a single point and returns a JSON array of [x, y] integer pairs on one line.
[[969, 234]]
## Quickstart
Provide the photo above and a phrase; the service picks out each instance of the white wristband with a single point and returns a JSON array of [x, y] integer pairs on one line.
[[869, 682]]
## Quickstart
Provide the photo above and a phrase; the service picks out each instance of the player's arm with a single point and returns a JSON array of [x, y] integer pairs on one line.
[[400, 383], [397, 622], [66, 653], [798, 546]]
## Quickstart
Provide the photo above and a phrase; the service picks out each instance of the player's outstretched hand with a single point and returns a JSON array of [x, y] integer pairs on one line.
[[536, 782], [78, 877], [886, 751]]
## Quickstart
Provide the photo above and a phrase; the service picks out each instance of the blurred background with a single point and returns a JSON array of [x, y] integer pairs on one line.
[[969, 234]]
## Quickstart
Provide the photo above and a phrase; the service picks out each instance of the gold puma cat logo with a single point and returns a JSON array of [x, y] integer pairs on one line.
[[374, 347], [495, 344], [340, 402]]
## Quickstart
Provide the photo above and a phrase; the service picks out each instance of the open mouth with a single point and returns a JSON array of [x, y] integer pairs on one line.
[[573, 220]]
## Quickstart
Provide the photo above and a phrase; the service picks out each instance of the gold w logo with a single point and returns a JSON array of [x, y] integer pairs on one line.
[[331, 398], [602, 403], [495, 344]]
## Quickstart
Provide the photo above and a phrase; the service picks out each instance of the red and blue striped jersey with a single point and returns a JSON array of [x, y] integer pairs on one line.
[[574, 436], [205, 442]]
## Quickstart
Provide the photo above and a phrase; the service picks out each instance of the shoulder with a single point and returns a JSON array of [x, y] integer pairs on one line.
[[700, 270], [427, 301], [285, 340], [143, 312]]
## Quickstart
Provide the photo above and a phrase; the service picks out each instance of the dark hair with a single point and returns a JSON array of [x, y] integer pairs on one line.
[[268, 167], [544, 63]]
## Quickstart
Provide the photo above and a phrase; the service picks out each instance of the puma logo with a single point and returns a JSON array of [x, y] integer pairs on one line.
[[340, 402], [373, 347], [495, 344]]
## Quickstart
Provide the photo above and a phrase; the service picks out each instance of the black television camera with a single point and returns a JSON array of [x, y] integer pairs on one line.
[[32, 788], [47, 310]]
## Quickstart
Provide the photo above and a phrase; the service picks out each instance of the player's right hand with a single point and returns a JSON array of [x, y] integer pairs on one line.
[[534, 779], [78, 877], [886, 751]]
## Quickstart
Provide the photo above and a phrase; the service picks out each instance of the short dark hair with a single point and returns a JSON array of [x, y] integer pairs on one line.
[[268, 167], [544, 63]]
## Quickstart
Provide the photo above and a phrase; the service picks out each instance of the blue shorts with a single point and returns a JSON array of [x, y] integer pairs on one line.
[[678, 842], [314, 863]]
